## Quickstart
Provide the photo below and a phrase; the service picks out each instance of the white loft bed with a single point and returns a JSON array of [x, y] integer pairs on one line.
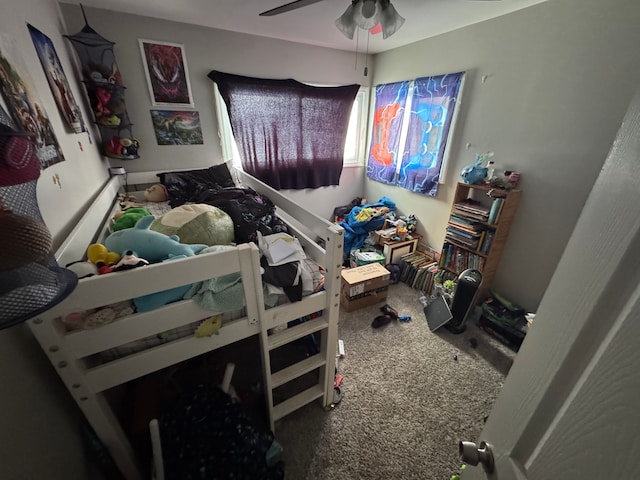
[[69, 351]]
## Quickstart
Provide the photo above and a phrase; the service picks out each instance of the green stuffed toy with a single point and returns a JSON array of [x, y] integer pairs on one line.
[[128, 218]]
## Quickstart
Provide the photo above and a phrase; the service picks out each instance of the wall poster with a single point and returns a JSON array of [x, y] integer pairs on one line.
[[177, 127], [165, 66], [57, 80], [24, 106]]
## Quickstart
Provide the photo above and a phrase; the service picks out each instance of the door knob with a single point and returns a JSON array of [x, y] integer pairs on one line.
[[472, 454]]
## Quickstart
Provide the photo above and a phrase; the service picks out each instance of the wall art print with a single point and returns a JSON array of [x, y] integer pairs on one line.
[[387, 126], [177, 127], [57, 80], [23, 105], [432, 106], [411, 156], [165, 66]]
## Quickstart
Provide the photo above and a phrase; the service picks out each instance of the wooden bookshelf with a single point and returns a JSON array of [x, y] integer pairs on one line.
[[472, 240]]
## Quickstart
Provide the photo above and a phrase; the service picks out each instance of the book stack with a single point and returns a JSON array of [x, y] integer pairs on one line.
[[418, 270], [471, 209], [459, 259], [465, 231]]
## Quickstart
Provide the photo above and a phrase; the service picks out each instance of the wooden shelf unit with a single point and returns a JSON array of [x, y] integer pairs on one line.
[[488, 261]]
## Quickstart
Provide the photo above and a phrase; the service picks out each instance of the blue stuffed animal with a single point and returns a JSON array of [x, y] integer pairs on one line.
[[148, 244]]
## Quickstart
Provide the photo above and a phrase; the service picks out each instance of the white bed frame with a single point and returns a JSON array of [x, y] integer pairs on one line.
[[67, 351]]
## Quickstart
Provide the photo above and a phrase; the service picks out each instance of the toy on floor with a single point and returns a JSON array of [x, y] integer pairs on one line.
[[389, 314]]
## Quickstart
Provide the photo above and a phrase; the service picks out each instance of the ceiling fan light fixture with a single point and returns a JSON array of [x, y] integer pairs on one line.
[[347, 22], [368, 8], [390, 20], [366, 14]]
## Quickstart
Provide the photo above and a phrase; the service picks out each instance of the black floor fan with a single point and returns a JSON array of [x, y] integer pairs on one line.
[[463, 299]]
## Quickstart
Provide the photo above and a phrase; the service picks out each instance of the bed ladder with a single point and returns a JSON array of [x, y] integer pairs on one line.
[[328, 302]]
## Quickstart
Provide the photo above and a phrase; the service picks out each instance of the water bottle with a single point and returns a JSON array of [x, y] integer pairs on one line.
[[491, 170]]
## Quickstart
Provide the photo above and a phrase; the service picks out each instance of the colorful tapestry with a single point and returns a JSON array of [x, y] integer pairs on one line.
[[391, 99], [432, 105]]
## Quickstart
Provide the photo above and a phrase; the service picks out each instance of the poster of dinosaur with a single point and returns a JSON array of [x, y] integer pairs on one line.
[[174, 127]]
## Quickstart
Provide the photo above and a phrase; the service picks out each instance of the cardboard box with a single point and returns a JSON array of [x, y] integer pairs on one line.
[[364, 286]]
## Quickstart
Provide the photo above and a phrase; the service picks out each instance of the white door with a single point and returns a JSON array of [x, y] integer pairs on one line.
[[570, 406]]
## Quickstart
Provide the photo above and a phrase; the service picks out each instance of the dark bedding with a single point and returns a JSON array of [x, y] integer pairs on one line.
[[250, 211]]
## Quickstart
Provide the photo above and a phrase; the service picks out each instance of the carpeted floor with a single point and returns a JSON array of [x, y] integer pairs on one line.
[[409, 396]]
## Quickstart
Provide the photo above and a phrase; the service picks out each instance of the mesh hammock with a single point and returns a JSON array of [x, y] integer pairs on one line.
[[30, 279]]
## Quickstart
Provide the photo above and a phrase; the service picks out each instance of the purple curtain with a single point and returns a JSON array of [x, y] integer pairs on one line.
[[290, 135]]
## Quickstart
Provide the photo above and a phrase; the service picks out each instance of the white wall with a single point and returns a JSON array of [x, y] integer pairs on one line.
[[212, 49], [84, 170], [39, 423], [560, 76]]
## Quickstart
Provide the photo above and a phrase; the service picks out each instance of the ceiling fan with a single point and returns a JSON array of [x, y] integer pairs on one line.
[[365, 14], [287, 7]]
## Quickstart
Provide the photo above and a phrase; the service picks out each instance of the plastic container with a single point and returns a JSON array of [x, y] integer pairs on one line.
[[491, 168]]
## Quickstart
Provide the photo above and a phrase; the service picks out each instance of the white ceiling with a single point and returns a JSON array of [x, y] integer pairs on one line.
[[314, 24]]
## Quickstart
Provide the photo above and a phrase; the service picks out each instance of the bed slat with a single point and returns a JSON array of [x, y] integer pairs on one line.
[[282, 314], [134, 366], [115, 287], [292, 404], [134, 327]]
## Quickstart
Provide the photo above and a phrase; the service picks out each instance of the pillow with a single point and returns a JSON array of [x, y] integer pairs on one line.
[[196, 223], [185, 186]]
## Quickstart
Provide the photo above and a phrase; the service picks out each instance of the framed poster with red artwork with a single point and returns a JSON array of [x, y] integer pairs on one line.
[[165, 66]]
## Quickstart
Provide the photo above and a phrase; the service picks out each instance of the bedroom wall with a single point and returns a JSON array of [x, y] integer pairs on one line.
[[559, 78], [39, 423], [208, 49]]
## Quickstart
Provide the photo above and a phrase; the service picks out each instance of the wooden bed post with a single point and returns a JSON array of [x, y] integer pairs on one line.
[[334, 239], [94, 406]]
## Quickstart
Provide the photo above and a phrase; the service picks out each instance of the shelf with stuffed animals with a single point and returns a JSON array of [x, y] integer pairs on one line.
[[106, 92], [117, 139]]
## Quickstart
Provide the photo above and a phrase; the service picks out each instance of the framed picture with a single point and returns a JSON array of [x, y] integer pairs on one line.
[[177, 127], [165, 66]]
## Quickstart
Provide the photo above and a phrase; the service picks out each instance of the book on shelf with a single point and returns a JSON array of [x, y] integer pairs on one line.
[[485, 245], [465, 223], [472, 209], [496, 207], [457, 259]]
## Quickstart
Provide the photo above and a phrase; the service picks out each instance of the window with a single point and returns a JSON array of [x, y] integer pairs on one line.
[[355, 144], [413, 122]]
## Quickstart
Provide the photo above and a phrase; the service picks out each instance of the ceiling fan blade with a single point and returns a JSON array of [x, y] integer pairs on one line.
[[287, 7]]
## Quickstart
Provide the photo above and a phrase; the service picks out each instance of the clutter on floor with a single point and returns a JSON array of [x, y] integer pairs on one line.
[[504, 320], [364, 286]]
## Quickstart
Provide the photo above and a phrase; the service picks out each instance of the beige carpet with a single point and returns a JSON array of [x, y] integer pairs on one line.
[[409, 396]]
